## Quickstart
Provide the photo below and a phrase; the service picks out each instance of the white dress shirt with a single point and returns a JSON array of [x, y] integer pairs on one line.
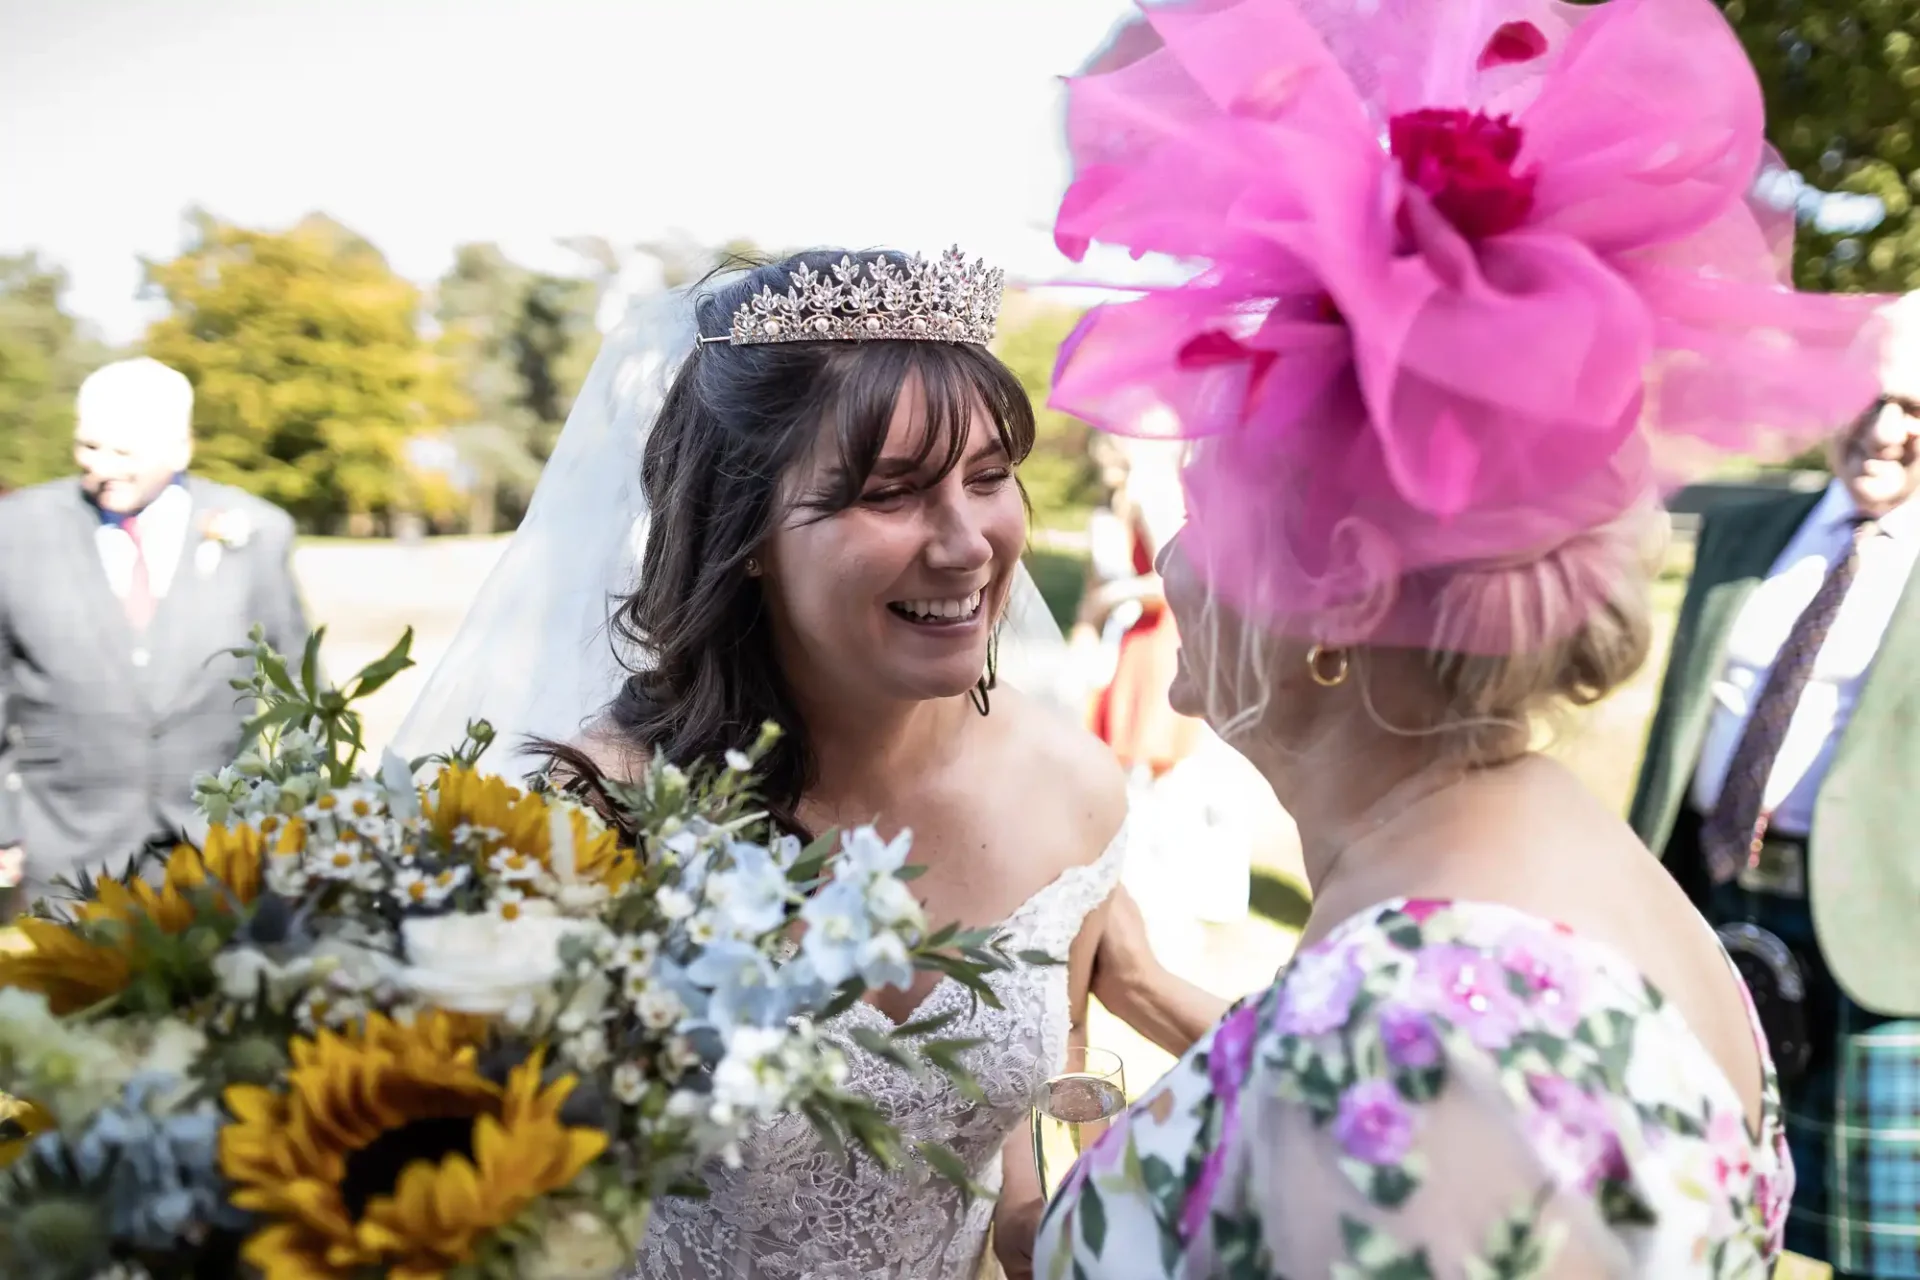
[[1886, 561], [163, 536]]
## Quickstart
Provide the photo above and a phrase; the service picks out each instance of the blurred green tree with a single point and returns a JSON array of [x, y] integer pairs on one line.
[[1842, 83], [44, 354], [309, 370], [521, 343], [1060, 476]]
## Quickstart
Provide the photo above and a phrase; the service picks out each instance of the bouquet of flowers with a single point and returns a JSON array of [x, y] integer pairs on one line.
[[371, 1027]]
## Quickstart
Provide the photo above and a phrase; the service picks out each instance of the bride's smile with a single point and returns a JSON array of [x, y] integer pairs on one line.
[[951, 614], [893, 596]]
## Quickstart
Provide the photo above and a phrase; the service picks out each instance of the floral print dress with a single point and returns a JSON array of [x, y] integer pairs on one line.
[[1437, 1089]]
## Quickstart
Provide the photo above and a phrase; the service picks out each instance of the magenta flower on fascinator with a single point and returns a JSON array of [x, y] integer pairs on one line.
[[1471, 278]]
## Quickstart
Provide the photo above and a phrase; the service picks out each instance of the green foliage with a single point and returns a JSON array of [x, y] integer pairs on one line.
[[1060, 475], [1061, 578], [308, 367], [521, 343], [298, 699], [44, 354], [1842, 82], [1279, 898]]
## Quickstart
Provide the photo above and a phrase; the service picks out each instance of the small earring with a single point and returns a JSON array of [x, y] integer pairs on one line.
[[1317, 659], [753, 567]]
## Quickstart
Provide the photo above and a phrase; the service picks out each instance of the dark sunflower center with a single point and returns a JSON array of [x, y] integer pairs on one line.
[[374, 1169]]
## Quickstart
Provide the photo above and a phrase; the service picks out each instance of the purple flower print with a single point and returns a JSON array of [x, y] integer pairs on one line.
[[1199, 1202], [1231, 1055], [1573, 1133], [1374, 1123], [1107, 1152], [1229, 1059], [1409, 1038], [1469, 989], [1552, 972], [1319, 993]]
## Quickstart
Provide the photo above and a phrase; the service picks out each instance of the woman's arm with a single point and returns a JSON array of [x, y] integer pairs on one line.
[[1137, 989]]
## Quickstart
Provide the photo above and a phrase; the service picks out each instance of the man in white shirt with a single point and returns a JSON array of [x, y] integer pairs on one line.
[[116, 589], [1781, 785]]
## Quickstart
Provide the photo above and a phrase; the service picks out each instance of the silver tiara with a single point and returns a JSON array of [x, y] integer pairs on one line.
[[945, 300]]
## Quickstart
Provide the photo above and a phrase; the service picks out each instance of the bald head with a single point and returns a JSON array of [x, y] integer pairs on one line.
[[134, 432], [1878, 457]]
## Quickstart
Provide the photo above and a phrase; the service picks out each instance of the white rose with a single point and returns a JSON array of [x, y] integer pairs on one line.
[[483, 964]]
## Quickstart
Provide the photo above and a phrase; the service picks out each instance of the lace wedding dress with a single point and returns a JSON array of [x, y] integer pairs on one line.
[[794, 1211]]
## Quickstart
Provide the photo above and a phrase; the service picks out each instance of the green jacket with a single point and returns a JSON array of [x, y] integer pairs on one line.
[[1864, 860]]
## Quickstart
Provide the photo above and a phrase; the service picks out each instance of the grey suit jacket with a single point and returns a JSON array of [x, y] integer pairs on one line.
[[101, 729]]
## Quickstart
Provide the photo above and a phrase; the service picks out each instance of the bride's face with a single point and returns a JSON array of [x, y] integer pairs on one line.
[[896, 595]]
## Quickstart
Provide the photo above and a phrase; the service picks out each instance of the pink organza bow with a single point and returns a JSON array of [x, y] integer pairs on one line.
[[1465, 273]]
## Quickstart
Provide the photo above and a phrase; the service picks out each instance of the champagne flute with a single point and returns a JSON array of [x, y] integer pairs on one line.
[[1072, 1108]]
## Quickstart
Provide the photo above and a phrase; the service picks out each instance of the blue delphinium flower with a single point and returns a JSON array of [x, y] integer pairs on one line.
[[837, 931], [745, 988], [160, 1169]]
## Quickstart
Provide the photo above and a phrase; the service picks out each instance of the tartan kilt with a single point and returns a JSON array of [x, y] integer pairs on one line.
[[1852, 1120]]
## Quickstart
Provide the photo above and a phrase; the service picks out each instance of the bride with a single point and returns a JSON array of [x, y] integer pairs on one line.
[[828, 526]]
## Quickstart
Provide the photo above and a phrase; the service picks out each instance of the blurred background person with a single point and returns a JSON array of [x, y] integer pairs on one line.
[[1126, 606], [117, 588], [1189, 861], [1778, 787]]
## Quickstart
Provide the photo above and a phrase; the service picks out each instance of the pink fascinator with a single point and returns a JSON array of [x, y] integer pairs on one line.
[[1474, 277]]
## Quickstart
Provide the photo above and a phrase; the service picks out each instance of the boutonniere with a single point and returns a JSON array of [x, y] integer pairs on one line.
[[230, 529], [220, 531]]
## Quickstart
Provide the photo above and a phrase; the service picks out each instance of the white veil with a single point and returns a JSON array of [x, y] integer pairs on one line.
[[535, 654]]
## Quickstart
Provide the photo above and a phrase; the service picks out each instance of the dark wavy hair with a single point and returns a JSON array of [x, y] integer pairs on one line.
[[734, 423]]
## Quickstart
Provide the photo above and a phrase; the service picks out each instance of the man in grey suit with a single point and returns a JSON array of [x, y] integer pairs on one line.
[[118, 588]]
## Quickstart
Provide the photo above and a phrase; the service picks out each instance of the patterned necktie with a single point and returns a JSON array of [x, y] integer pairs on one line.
[[139, 601], [1731, 836]]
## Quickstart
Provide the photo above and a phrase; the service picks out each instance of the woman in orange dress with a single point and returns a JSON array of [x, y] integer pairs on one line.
[[1131, 713]]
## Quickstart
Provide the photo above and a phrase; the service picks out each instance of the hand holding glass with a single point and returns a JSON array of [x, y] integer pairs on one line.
[[1072, 1109]]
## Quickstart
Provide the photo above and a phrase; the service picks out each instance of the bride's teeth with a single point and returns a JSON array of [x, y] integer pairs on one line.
[[941, 608]]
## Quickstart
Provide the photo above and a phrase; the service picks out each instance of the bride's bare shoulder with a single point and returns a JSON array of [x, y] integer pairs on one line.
[[1058, 770]]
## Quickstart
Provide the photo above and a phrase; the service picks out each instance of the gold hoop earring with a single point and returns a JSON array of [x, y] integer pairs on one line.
[[1318, 657]]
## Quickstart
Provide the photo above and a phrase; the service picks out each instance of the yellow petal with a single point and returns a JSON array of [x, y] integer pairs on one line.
[[458, 1195], [251, 1104], [279, 1252]]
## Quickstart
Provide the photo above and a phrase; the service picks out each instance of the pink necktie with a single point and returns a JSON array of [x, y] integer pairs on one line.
[[139, 600]]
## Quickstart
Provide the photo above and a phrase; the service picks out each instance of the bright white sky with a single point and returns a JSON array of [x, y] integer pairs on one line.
[[426, 123]]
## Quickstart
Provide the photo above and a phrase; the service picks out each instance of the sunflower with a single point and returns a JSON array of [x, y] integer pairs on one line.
[[522, 821], [19, 1121], [390, 1150], [93, 957]]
